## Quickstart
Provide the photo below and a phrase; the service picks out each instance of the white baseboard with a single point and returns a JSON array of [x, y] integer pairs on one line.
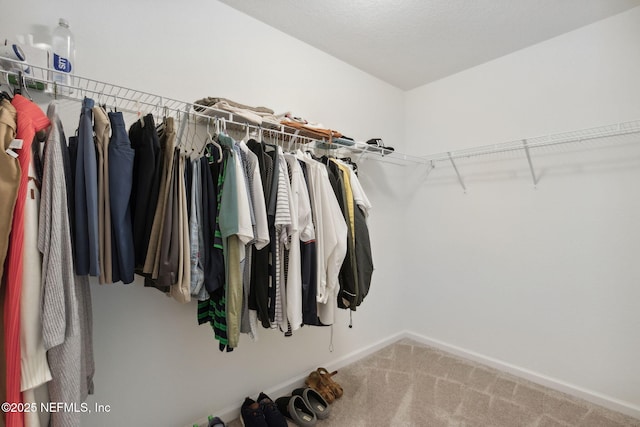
[[284, 388], [553, 383]]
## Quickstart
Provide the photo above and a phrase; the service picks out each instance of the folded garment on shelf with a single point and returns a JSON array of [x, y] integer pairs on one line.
[[314, 129], [211, 101], [253, 115]]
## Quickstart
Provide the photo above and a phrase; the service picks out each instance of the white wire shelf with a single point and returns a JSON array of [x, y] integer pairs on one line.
[[614, 133], [576, 136], [35, 78], [38, 79]]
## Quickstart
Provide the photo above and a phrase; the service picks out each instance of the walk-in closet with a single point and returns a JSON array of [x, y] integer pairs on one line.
[[391, 213]]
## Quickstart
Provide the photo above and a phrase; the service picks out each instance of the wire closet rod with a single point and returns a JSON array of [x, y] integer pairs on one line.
[[576, 136], [134, 101]]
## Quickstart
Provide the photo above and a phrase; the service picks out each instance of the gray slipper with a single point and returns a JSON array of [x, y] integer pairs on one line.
[[295, 408], [314, 400]]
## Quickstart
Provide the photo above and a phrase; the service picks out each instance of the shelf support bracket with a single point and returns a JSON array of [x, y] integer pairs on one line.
[[455, 168], [365, 151], [430, 166], [533, 172]]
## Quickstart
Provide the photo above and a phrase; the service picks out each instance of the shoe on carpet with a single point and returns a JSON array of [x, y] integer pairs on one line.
[[251, 414], [294, 408], [271, 413], [314, 401], [315, 381], [328, 381], [215, 422]]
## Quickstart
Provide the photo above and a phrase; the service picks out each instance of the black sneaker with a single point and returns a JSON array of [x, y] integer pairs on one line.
[[271, 413], [251, 414], [215, 422]]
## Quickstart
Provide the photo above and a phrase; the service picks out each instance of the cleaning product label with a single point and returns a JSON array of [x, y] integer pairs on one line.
[[61, 64]]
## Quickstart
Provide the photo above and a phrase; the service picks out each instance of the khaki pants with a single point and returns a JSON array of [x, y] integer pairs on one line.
[[9, 176]]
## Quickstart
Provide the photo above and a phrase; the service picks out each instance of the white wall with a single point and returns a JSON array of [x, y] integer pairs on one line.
[[545, 280], [155, 366]]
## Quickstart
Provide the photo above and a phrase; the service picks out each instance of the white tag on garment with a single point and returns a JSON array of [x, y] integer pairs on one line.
[[12, 153], [16, 144]]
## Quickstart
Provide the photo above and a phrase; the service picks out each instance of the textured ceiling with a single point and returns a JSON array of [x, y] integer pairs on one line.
[[408, 43]]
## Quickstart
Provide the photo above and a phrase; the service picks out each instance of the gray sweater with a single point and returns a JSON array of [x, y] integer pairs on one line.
[[66, 302]]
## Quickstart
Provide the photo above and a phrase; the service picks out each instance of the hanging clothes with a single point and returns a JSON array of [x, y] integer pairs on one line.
[[284, 229], [169, 249], [121, 160], [147, 166], [196, 232], [66, 305], [213, 310], [260, 272], [167, 147], [261, 233], [35, 368], [9, 176], [348, 292], [303, 232], [211, 169], [30, 119], [86, 194], [331, 237], [308, 256], [236, 232], [181, 289], [362, 242], [35, 372], [102, 131]]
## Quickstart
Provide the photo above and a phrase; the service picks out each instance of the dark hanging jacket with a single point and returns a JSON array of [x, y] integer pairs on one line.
[[260, 282], [347, 278], [147, 165]]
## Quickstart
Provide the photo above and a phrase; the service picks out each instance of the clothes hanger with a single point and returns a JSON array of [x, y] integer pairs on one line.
[[208, 146], [182, 123], [22, 86], [115, 104], [4, 94], [139, 112], [23, 83], [18, 90], [224, 126], [186, 143], [99, 102], [193, 153], [213, 141]]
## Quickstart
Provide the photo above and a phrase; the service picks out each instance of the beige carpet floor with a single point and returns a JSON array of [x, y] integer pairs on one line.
[[410, 384]]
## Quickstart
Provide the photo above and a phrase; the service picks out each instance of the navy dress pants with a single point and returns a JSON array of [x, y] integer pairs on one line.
[[121, 157], [86, 196]]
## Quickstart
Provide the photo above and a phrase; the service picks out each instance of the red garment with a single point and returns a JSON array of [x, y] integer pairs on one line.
[[31, 119]]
